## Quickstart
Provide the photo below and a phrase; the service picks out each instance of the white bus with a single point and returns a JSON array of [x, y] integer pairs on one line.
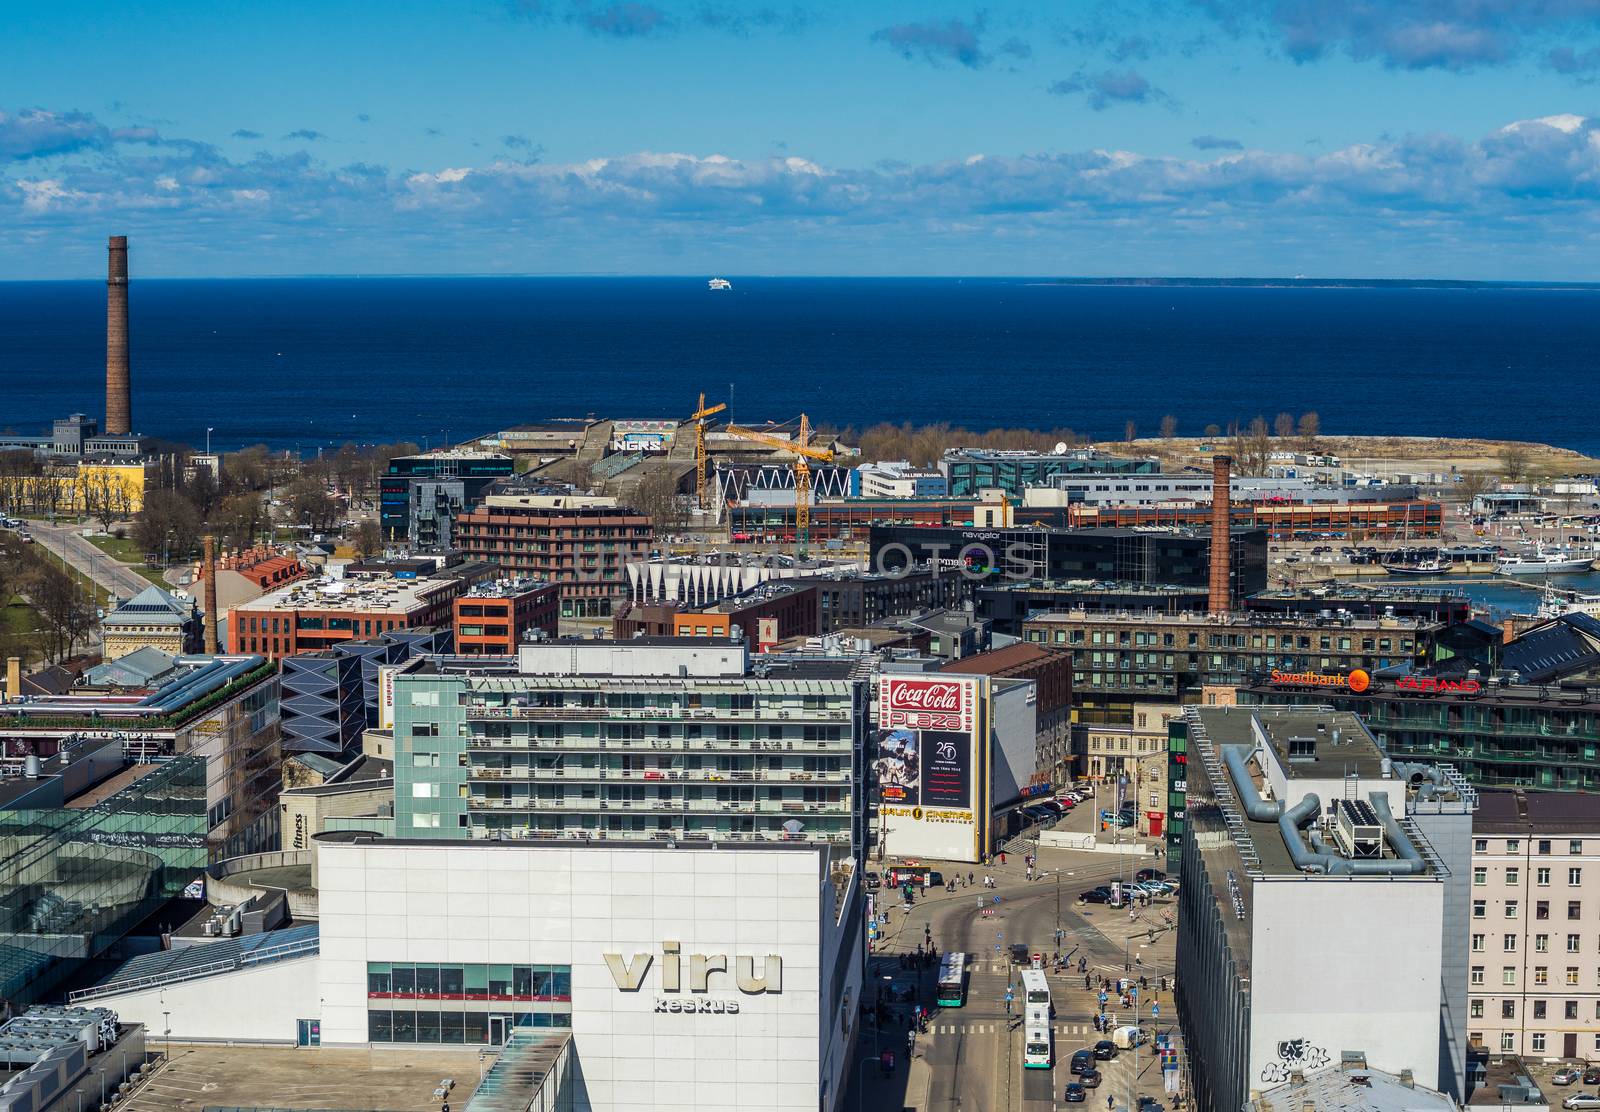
[[1038, 1031], [1037, 1045], [1036, 991]]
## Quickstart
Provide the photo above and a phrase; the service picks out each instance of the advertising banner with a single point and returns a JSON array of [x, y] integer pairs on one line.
[[926, 763]]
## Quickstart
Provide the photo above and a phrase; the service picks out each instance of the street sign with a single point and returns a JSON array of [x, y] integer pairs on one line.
[[1155, 1010]]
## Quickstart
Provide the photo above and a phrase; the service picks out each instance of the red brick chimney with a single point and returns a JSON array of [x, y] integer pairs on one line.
[[119, 403], [1220, 599], [211, 595]]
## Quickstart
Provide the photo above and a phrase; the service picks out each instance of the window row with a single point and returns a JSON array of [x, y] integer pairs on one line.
[[470, 1028], [1513, 876], [407, 980]]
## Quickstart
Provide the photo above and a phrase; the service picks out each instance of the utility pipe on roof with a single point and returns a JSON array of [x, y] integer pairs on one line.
[[1412, 772], [1258, 809]]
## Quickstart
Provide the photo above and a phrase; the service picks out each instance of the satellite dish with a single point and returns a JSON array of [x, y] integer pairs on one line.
[[1061, 448]]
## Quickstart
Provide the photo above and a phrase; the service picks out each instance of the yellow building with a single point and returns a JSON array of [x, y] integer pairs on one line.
[[97, 484]]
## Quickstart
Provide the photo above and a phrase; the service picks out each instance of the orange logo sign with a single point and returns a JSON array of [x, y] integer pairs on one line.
[[1359, 680]]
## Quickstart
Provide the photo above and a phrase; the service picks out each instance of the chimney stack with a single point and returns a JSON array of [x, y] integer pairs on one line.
[[13, 678], [1220, 600], [119, 404], [211, 594]]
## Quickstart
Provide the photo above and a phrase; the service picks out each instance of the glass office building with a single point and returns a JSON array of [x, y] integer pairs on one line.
[[74, 881]]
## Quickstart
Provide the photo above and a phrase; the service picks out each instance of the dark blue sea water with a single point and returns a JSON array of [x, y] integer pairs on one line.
[[316, 362]]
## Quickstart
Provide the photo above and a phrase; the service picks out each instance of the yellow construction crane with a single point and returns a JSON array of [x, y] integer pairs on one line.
[[801, 448], [699, 418]]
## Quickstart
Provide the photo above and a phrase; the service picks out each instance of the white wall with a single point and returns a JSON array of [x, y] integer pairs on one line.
[[526, 904], [1015, 738], [1347, 965], [259, 1004]]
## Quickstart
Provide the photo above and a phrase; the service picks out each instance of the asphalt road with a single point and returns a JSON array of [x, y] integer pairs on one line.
[[971, 1057], [67, 542]]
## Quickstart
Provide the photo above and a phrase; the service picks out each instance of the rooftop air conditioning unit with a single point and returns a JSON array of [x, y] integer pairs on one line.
[[1356, 829]]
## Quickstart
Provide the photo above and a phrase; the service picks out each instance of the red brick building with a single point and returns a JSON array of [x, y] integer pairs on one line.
[[581, 544], [492, 618], [791, 608], [319, 614]]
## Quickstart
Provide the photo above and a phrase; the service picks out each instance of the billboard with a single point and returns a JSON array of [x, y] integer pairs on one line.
[[926, 762]]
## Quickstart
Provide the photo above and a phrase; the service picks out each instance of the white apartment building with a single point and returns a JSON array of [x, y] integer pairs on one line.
[[1534, 945]]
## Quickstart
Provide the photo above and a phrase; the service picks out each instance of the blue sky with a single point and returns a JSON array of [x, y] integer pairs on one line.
[[1431, 138]]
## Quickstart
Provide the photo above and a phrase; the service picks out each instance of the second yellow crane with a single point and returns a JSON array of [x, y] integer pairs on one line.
[[801, 448]]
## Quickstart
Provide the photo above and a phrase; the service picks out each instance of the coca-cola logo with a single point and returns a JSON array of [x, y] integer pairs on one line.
[[919, 695]]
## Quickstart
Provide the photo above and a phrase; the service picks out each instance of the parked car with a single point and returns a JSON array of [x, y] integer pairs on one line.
[[1105, 1050], [1591, 1075], [1150, 874], [1074, 1093], [1101, 895], [1581, 1100], [1566, 1077], [1081, 1060], [1090, 1078]]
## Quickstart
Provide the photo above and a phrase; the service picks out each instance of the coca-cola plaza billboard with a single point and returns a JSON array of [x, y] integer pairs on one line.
[[927, 764]]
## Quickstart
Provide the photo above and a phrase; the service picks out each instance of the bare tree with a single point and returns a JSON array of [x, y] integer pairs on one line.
[[61, 607], [1283, 425], [1474, 483], [1514, 460], [1310, 429], [366, 538], [1169, 427], [1213, 431]]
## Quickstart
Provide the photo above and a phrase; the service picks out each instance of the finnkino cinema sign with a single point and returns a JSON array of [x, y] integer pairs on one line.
[[630, 976]]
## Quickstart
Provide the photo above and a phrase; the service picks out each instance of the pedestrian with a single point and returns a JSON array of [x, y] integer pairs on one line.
[[969, 877], [1002, 857]]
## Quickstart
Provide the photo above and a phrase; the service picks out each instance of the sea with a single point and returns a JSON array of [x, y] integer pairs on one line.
[[307, 364]]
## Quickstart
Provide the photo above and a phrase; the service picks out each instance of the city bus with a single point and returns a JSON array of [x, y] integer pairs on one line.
[[952, 989], [1036, 993], [1036, 1045]]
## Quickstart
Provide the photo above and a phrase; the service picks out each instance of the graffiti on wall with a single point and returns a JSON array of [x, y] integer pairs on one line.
[[1293, 1055]]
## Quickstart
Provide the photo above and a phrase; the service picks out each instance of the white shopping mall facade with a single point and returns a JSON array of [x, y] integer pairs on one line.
[[690, 976]]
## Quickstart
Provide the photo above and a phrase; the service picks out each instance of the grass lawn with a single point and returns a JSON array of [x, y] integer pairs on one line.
[[122, 549], [18, 625]]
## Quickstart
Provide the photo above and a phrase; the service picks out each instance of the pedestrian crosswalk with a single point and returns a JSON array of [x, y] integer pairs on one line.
[[1063, 1030]]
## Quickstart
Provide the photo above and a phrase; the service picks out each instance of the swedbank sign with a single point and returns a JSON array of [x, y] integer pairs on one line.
[[630, 976]]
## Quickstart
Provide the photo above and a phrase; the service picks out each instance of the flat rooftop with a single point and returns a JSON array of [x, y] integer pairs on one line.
[[360, 596], [201, 1077], [1250, 848], [1518, 812], [1250, 619]]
